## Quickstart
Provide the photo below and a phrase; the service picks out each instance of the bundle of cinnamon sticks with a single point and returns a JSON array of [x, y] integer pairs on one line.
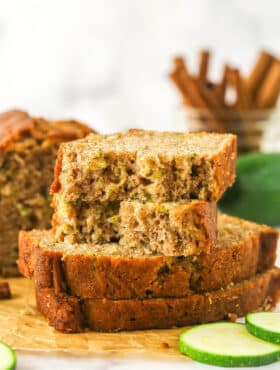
[[233, 92]]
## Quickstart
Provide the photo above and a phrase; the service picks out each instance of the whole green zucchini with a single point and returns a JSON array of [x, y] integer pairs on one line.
[[255, 194]]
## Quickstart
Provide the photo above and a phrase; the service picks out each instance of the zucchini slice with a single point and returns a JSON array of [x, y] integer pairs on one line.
[[264, 325], [227, 344], [7, 357]]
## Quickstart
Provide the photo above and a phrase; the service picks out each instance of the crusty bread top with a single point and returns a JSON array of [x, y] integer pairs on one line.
[[12, 124], [175, 143], [231, 231], [16, 122]]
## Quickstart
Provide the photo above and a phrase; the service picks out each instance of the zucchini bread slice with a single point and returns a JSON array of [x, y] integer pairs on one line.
[[174, 228], [147, 166], [111, 271], [28, 148], [72, 314]]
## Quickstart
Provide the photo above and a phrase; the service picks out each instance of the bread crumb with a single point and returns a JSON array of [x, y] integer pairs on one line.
[[232, 317], [5, 291], [164, 345], [28, 311], [267, 305]]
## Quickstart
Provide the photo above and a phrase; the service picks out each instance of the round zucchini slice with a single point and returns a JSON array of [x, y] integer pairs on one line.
[[264, 325], [227, 344], [7, 357]]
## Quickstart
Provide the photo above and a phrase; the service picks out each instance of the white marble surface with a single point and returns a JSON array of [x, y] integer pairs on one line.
[[36, 363]]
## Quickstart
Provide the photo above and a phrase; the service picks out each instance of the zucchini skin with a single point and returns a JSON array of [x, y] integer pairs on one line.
[[255, 194], [13, 363], [261, 333], [229, 361], [225, 360]]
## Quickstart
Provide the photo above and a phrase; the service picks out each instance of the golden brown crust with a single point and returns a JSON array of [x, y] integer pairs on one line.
[[28, 148], [12, 124], [67, 130], [209, 221], [55, 186], [115, 277], [16, 122], [225, 168], [68, 314], [62, 311], [268, 237]]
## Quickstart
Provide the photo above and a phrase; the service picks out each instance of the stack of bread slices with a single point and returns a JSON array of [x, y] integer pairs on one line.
[[137, 242]]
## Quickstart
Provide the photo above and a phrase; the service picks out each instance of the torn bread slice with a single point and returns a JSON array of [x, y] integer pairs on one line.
[[115, 272], [72, 314], [173, 228], [147, 166]]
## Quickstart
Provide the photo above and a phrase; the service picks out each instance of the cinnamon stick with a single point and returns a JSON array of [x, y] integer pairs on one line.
[[210, 95], [258, 74], [200, 98], [221, 87], [270, 88], [175, 76], [187, 85], [189, 88], [212, 100], [204, 58], [236, 81]]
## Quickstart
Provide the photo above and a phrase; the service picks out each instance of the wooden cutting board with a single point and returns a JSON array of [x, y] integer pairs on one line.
[[22, 327]]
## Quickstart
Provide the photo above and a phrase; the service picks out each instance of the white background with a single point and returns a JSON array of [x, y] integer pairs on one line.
[[105, 62]]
